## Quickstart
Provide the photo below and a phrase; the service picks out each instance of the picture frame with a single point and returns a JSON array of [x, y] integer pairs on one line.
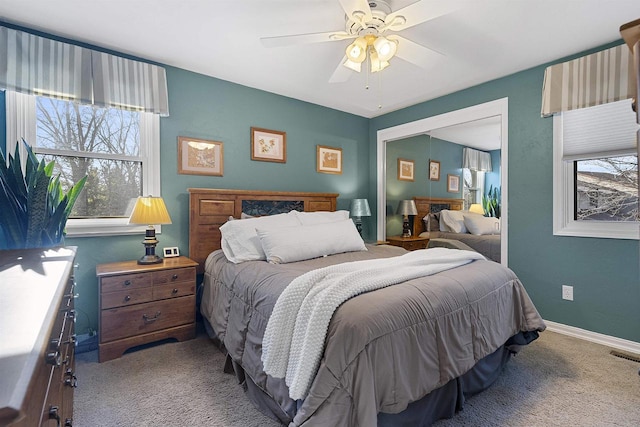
[[453, 183], [434, 170], [406, 170], [200, 156], [268, 145], [328, 160], [171, 252]]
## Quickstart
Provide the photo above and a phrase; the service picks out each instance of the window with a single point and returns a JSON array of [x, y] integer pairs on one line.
[[473, 188], [116, 149], [596, 172]]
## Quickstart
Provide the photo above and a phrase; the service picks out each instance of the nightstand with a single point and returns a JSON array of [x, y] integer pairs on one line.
[[140, 304], [409, 243]]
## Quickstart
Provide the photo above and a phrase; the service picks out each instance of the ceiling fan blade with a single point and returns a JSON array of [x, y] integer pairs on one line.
[[417, 13], [414, 53], [296, 39], [341, 73], [351, 6]]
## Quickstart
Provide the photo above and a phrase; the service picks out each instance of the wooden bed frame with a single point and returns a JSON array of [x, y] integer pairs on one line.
[[210, 208], [423, 204]]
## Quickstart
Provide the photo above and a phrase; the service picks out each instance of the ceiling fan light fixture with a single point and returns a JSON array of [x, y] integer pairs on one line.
[[355, 66], [357, 51], [376, 63], [385, 48]]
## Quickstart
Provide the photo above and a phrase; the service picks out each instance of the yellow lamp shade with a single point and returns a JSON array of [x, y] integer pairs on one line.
[[476, 208], [150, 210]]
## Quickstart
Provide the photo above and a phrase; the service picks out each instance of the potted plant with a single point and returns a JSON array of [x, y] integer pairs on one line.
[[491, 202], [35, 208]]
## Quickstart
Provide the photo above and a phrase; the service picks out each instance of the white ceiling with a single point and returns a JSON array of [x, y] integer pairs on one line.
[[482, 40]]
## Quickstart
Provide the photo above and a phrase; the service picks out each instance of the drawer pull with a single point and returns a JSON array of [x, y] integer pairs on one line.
[[53, 414], [68, 422], [53, 358], [174, 291], [148, 319], [174, 277], [127, 298], [127, 282], [72, 381], [72, 339]]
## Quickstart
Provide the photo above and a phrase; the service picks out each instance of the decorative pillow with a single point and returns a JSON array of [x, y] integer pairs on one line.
[[240, 241], [290, 244], [481, 225], [321, 217], [452, 221]]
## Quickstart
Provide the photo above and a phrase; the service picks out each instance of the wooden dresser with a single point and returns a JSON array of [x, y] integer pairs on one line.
[[409, 243], [140, 304], [37, 317]]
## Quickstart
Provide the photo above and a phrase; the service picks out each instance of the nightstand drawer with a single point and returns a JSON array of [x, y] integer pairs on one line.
[[418, 244], [173, 290], [125, 281], [127, 297], [138, 319], [175, 275]]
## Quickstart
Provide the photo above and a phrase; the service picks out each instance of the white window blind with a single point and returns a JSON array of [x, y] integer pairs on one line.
[[601, 131]]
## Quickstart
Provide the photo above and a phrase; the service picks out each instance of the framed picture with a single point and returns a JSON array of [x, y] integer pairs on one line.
[[405, 170], [328, 160], [200, 157], [268, 145], [453, 183], [434, 170]]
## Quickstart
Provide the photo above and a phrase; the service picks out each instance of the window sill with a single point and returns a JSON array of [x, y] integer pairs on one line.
[[104, 227]]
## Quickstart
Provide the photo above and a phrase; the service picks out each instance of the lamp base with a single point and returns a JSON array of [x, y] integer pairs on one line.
[[406, 228], [150, 259]]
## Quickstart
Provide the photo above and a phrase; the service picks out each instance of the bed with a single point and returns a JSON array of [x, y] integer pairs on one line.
[[430, 208], [396, 356]]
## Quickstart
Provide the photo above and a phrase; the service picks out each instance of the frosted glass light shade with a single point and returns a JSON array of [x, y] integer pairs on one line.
[[385, 48], [357, 51], [150, 210]]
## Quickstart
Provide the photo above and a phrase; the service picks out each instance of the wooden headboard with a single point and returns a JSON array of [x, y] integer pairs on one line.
[[210, 208], [424, 204]]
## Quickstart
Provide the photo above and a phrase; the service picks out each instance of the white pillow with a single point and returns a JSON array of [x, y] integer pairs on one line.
[[452, 221], [290, 244], [321, 217], [482, 225], [240, 241]]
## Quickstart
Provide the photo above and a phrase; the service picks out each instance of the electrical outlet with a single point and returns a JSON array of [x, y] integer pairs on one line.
[[567, 292]]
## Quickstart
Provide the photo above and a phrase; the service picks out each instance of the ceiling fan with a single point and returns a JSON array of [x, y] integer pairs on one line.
[[369, 22]]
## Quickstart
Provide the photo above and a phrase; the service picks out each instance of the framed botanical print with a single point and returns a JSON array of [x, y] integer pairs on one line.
[[453, 183], [328, 159], [434, 170], [405, 170], [200, 157], [268, 145]]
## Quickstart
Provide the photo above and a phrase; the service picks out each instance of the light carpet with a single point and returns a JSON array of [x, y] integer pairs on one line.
[[555, 381]]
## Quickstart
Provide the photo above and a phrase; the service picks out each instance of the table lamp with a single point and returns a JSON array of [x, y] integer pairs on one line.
[[150, 210], [406, 208], [358, 209], [476, 208]]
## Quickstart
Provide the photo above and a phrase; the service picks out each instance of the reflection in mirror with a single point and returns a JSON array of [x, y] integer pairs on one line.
[[438, 157]]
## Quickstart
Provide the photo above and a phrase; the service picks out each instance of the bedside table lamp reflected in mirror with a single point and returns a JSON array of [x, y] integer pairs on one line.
[[406, 208], [358, 209], [476, 208], [150, 210]]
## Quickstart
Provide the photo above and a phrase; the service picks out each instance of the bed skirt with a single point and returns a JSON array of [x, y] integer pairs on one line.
[[441, 403]]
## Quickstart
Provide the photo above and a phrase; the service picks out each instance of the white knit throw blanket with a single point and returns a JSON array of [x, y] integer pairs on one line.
[[294, 338]]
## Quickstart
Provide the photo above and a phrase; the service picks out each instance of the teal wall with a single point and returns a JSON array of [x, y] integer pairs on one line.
[[604, 272], [493, 178], [420, 149]]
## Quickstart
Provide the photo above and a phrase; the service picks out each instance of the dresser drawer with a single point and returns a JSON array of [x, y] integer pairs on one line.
[[125, 281], [175, 275], [173, 290], [418, 244], [126, 297], [138, 319]]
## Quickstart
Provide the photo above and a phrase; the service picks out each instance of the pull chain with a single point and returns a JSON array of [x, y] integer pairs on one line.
[[379, 90]]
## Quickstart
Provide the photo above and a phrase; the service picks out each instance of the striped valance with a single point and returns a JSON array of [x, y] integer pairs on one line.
[[595, 79], [39, 66]]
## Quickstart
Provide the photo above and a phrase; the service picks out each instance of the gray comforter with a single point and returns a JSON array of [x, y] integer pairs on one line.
[[384, 349]]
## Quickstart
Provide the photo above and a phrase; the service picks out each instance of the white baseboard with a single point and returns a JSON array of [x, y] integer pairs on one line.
[[607, 340]]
